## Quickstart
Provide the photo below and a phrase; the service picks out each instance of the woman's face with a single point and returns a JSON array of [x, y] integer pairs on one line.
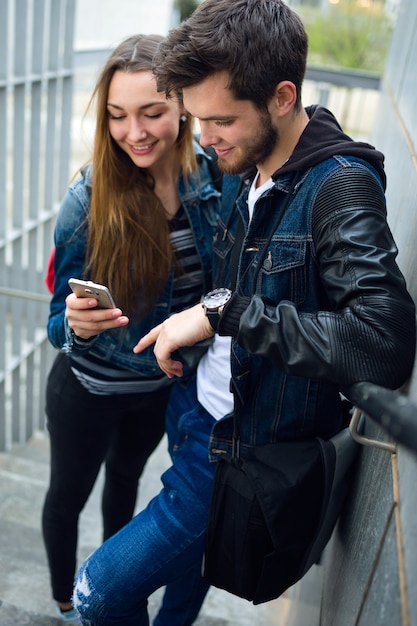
[[144, 123]]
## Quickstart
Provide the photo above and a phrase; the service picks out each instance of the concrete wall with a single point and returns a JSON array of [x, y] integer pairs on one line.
[[368, 573], [396, 135]]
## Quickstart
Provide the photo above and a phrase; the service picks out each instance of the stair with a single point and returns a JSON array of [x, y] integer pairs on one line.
[[24, 584], [25, 597]]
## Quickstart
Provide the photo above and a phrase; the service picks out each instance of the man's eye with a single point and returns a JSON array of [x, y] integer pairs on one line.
[[223, 122]]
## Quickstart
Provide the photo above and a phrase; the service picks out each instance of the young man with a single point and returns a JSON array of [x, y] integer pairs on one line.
[[318, 303]]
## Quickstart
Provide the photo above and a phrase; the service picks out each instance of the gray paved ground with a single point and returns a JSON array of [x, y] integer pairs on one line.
[[24, 581]]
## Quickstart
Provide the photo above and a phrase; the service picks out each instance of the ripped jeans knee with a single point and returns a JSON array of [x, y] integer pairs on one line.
[[108, 608], [84, 598]]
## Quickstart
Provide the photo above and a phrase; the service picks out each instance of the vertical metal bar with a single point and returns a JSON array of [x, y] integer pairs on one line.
[[18, 205], [17, 154], [19, 112], [4, 48], [35, 243], [67, 90], [36, 200], [36, 93], [16, 405], [3, 413], [51, 155], [40, 48], [52, 94], [49, 173]]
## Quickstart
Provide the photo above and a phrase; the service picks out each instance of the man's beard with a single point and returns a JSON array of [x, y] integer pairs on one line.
[[254, 151]]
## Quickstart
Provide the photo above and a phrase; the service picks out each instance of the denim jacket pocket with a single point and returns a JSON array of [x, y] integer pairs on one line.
[[286, 258]]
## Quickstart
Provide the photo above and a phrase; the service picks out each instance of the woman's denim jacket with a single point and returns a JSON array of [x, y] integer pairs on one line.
[[277, 396], [201, 202]]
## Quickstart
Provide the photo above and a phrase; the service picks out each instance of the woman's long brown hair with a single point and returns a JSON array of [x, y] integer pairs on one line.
[[128, 246]]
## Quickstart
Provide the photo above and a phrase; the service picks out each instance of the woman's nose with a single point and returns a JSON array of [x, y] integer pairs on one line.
[[137, 130]]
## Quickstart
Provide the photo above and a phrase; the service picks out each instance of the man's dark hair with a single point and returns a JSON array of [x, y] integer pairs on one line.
[[258, 42]]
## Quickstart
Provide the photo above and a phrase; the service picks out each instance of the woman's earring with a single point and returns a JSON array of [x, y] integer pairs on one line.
[[183, 118]]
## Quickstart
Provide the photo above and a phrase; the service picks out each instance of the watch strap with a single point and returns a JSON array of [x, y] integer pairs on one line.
[[213, 317]]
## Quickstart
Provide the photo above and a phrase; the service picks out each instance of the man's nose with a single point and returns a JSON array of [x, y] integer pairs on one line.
[[207, 137]]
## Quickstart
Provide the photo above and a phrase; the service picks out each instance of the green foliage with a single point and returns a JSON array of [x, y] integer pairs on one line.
[[185, 8], [350, 34]]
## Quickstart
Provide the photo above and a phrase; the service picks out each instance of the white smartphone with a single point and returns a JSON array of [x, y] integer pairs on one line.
[[88, 289]]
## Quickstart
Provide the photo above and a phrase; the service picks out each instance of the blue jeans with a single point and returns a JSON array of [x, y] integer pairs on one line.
[[162, 545]]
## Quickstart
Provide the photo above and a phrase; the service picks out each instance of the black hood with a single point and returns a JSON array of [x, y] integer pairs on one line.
[[323, 138]]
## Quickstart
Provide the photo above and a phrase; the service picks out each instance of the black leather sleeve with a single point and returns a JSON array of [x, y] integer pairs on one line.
[[368, 332]]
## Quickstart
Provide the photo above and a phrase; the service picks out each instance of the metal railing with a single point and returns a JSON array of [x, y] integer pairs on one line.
[[394, 412], [36, 75], [352, 95]]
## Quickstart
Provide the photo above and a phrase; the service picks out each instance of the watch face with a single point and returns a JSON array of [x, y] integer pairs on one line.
[[217, 298]]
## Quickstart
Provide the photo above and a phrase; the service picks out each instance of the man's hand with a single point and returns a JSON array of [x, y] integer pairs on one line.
[[182, 329], [87, 321]]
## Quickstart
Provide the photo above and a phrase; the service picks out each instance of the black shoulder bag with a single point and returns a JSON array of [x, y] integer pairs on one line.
[[273, 507]]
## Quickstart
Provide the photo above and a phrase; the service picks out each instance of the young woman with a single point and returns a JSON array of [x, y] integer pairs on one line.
[[140, 220]]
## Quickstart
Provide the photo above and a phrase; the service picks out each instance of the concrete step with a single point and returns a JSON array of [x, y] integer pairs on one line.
[[25, 596], [12, 616]]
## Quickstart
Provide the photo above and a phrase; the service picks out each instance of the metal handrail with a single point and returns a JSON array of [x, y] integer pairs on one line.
[[355, 428], [394, 412], [26, 295], [343, 77]]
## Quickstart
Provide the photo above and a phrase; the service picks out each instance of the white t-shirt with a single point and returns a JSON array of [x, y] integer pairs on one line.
[[213, 372], [255, 193], [213, 378]]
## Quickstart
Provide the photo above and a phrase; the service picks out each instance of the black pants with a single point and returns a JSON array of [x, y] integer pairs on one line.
[[86, 430]]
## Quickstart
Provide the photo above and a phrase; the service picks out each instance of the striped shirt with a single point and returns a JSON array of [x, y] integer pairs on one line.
[[105, 378]]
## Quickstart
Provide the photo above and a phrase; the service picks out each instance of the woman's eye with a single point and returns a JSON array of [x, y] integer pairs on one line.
[[154, 117], [116, 117]]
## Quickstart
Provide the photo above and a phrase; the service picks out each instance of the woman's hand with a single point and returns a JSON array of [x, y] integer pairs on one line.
[[87, 321], [182, 329]]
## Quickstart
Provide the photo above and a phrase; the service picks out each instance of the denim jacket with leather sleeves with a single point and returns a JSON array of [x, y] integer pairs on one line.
[[201, 202], [329, 306]]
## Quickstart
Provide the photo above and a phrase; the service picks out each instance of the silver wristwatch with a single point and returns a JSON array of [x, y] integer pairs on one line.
[[213, 304]]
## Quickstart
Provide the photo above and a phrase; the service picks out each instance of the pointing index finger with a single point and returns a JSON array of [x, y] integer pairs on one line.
[[147, 340]]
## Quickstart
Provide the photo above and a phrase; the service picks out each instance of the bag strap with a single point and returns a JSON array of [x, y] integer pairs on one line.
[[237, 247]]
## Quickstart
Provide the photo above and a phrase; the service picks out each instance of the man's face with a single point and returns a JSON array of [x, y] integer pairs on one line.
[[241, 135]]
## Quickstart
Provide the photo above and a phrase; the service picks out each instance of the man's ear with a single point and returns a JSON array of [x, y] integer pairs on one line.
[[284, 98]]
